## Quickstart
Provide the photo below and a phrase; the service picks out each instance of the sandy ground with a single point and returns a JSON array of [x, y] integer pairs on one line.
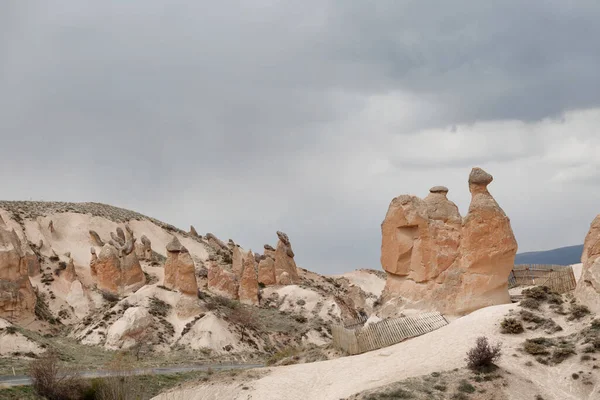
[[443, 349]]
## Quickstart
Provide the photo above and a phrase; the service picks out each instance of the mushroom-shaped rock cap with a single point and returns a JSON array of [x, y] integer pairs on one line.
[[480, 177], [283, 237], [175, 246], [438, 189]]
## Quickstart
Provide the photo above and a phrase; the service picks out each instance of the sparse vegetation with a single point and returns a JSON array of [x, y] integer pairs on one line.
[[466, 387], [53, 382], [483, 355], [531, 304], [42, 311], [511, 326], [11, 330], [543, 294], [549, 350], [111, 298], [158, 308], [578, 311]]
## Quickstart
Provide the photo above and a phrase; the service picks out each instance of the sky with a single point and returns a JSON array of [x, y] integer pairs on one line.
[[247, 117]]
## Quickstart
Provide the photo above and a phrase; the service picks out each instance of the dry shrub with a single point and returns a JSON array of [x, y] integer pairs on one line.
[[158, 307], [549, 350], [531, 304], [578, 311], [53, 382], [537, 346], [543, 293], [122, 385], [483, 355], [511, 325]]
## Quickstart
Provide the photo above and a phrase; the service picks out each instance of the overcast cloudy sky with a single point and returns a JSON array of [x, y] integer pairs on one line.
[[247, 117]]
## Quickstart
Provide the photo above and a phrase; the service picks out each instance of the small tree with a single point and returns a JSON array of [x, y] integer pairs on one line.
[[483, 355]]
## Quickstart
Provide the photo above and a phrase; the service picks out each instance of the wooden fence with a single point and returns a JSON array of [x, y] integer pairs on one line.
[[561, 281], [560, 278], [385, 333], [355, 323]]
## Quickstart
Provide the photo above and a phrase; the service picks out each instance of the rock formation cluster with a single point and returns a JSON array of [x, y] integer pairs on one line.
[[588, 287], [241, 279], [17, 263], [117, 269], [435, 259]]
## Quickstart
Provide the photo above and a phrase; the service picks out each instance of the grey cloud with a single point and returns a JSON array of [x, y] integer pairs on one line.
[[230, 115]]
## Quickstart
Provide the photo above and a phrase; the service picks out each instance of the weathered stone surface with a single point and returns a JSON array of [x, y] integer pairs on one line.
[[439, 189], [128, 329], [69, 273], [95, 238], [266, 271], [117, 269], [143, 250], [193, 231], [436, 260], [248, 291], [588, 286], [237, 264], [591, 245], [222, 282], [180, 271], [269, 251], [17, 298], [284, 261], [32, 263], [216, 243]]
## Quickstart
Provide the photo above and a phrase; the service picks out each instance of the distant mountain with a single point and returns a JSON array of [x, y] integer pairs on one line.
[[561, 256]]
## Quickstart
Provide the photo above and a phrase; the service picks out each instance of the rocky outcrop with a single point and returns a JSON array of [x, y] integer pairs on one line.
[[437, 260], [69, 273], [237, 263], [266, 271], [95, 238], [284, 262], [193, 232], [588, 286], [216, 243], [591, 245], [128, 329], [180, 271], [248, 291], [222, 281], [17, 298], [117, 269], [143, 250]]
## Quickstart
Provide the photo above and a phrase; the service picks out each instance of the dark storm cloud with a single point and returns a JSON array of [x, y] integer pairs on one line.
[[240, 116]]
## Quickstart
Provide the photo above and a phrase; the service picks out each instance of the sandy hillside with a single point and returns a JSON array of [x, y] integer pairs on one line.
[[440, 350]]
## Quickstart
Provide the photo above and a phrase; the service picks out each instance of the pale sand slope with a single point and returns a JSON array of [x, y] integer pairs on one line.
[[368, 282], [577, 270], [440, 350], [15, 342]]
